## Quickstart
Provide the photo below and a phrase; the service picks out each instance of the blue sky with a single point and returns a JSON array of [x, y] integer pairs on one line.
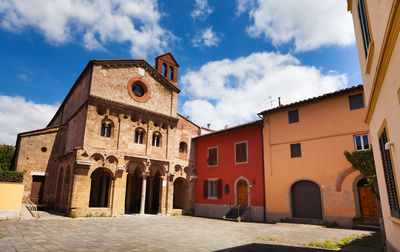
[[235, 56]]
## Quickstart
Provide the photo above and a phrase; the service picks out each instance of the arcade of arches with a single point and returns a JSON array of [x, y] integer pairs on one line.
[[146, 190]]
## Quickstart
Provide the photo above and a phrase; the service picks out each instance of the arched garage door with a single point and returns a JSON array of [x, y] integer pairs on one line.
[[306, 200]]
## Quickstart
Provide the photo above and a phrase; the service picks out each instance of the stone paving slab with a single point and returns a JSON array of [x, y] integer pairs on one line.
[[164, 233]]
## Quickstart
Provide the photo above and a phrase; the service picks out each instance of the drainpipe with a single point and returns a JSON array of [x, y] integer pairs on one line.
[[263, 170]]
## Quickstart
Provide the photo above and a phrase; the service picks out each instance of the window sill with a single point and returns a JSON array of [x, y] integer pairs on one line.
[[212, 198], [239, 163], [395, 220], [212, 165]]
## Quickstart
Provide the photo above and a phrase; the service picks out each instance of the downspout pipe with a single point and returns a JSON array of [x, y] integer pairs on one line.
[[263, 170]]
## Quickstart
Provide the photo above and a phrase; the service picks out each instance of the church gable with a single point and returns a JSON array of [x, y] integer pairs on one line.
[[134, 82]]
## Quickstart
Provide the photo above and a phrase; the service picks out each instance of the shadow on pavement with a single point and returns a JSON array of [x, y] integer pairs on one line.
[[255, 247], [371, 243]]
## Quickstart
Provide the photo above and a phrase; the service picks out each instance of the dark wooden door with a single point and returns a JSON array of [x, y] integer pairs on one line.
[[306, 200], [37, 189], [368, 205], [242, 193]]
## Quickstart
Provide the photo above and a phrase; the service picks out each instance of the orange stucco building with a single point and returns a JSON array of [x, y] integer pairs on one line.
[[377, 28], [306, 172]]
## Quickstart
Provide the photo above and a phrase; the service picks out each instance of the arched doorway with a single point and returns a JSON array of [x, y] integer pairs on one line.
[[100, 188], [306, 200], [180, 193], [133, 192], [153, 193], [368, 206], [242, 193]]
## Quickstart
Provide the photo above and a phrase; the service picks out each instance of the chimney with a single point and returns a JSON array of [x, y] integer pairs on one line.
[[208, 125], [279, 101]]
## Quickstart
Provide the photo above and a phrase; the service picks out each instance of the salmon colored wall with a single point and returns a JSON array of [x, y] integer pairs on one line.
[[387, 103], [227, 170], [325, 130], [11, 196]]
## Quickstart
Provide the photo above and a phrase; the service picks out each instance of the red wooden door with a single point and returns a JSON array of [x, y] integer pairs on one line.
[[368, 205], [37, 189], [242, 194]]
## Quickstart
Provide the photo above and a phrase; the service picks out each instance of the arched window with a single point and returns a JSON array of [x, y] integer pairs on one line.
[[156, 139], [106, 127], [139, 135], [165, 69], [171, 73], [182, 147]]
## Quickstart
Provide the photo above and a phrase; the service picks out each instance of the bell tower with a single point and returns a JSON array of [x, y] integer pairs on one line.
[[167, 66]]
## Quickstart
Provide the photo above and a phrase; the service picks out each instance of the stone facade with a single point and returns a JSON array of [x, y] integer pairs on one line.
[[108, 151]]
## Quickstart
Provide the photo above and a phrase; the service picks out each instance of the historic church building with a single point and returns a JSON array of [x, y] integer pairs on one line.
[[116, 145]]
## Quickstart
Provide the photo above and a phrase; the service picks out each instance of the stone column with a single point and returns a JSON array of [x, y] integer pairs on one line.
[[161, 206], [151, 180], [143, 199]]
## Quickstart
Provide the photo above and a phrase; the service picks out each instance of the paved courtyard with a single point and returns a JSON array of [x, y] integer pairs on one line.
[[169, 233]]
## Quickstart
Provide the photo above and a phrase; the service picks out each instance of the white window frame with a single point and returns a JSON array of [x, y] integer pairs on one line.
[[362, 142], [208, 152], [247, 152], [214, 181]]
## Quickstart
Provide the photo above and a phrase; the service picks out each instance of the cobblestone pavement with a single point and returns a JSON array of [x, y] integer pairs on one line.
[[165, 233]]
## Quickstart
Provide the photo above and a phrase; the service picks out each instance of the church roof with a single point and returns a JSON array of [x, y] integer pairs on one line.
[[170, 54]]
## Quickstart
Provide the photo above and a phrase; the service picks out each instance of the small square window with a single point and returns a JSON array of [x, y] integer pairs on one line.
[[356, 101], [293, 116], [295, 150], [241, 152], [361, 142], [212, 159]]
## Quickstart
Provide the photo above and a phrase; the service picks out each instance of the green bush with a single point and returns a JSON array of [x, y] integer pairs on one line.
[[11, 176], [6, 157]]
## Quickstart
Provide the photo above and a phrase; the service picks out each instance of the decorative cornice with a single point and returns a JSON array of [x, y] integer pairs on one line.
[[129, 109]]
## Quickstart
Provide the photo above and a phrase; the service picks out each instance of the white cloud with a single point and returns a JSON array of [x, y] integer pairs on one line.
[[19, 115], [24, 77], [93, 23], [230, 92], [309, 24], [201, 9], [206, 38]]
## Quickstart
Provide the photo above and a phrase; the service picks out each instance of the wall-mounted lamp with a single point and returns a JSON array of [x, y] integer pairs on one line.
[[389, 145]]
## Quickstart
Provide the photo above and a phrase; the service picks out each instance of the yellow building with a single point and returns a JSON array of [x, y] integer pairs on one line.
[[377, 26]]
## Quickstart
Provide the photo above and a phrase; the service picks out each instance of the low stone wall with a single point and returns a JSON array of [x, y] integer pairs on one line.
[[10, 199]]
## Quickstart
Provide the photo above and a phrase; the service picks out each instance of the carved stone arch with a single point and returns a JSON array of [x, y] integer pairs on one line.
[[131, 166], [96, 157], [112, 161], [112, 173], [178, 168], [154, 168]]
